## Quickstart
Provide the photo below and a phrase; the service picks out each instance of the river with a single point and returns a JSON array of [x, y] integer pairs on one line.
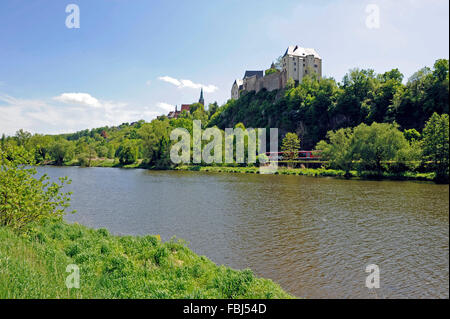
[[313, 236]]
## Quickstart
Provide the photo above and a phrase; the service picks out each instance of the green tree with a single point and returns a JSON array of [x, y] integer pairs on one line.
[[426, 92], [290, 145], [22, 137], [212, 109], [412, 135], [152, 135], [61, 150], [386, 87], [338, 150], [86, 153], [24, 198], [378, 147], [357, 94], [372, 146], [290, 83], [270, 71], [127, 153], [436, 145]]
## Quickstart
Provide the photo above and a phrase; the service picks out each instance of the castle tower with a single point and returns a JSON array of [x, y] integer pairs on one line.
[[201, 100]]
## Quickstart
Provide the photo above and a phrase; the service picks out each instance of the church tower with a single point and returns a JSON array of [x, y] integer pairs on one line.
[[201, 100]]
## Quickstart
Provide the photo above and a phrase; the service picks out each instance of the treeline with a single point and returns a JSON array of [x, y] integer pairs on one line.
[[382, 148], [139, 143]]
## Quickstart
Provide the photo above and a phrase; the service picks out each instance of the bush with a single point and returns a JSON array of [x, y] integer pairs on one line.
[[23, 197]]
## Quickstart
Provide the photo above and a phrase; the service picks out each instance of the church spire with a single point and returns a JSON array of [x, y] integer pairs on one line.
[[201, 100]]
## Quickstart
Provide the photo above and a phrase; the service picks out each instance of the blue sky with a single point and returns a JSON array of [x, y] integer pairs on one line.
[[128, 58]]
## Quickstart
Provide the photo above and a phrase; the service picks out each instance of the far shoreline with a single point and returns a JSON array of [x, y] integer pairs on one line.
[[311, 172]]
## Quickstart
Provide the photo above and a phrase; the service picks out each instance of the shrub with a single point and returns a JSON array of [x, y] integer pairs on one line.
[[23, 197]]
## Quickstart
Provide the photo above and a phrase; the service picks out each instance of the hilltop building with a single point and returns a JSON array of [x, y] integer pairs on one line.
[[296, 63], [185, 107]]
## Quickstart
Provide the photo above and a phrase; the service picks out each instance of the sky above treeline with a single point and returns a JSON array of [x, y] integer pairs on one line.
[[132, 60]]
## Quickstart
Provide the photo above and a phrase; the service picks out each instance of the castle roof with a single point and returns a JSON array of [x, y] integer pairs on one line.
[[259, 74], [299, 51]]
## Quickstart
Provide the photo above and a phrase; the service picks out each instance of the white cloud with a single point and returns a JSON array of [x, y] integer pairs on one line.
[[78, 98], [166, 106], [188, 84], [66, 113]]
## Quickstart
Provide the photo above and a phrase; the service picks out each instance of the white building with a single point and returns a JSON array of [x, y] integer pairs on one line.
[[298, 62]]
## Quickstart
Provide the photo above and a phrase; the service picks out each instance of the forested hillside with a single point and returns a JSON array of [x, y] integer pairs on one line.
[[315, 107]]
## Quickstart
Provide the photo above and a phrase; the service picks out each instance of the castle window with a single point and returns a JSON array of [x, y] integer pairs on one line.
[[295, 69], [315, 65]]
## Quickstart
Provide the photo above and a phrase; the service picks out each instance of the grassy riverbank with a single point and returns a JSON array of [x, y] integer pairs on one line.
[[315, 172], [33, 265]]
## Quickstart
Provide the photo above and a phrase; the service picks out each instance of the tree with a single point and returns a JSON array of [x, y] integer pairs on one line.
[[40, 144], [152, 134], [127, 152], [290, 83], [24, 198], [338, 151], [61, 150], [356, 96], [212, 109], [22, 137], [270, 71], [86, 154], [373, 146], [378, 147], [436, 145], [386, 87], [426, 92], [291, 146], [412, 135]]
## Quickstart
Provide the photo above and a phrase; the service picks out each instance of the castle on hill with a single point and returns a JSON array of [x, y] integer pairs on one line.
[[296, 63]]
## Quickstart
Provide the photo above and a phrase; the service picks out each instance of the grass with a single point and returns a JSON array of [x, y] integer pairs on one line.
[[106, 162], [33, 265], [282, 170], [314, 172]]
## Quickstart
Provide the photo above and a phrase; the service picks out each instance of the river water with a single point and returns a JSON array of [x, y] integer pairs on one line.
[[313, 236]]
